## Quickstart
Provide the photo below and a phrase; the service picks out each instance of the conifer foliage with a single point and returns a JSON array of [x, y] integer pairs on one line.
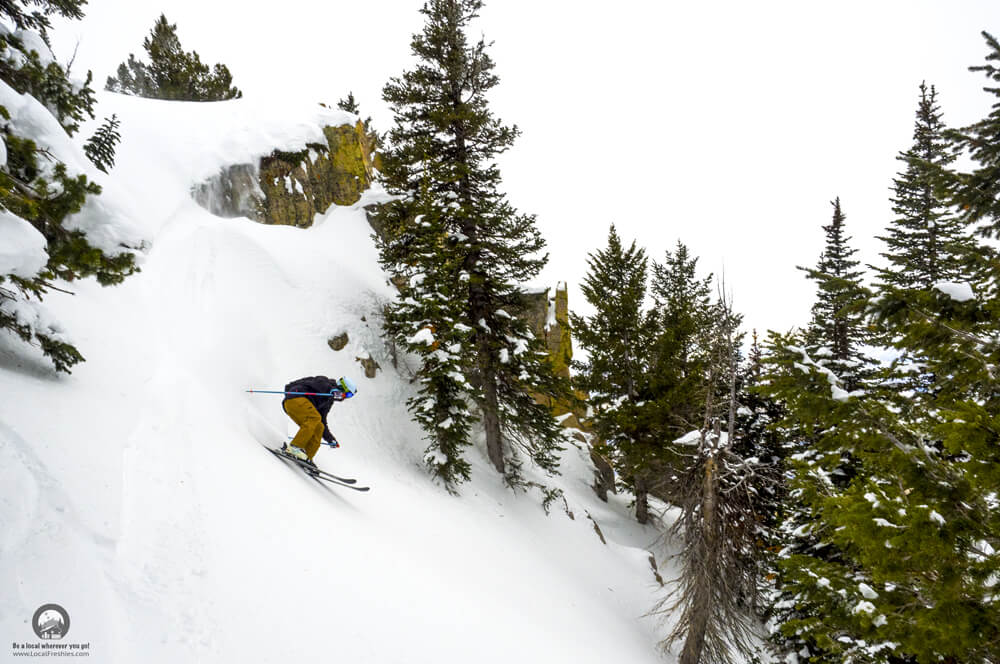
[[101, 146], [977, 193], [837, 329], [926, 242], [38, 193], [617, 337], [172, 73], [896, 559], [461, 251]]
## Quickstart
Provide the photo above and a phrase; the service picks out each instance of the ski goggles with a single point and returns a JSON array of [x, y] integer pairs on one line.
[[348, 387]]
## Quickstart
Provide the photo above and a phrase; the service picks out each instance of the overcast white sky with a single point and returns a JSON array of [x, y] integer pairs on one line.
[[729, 125]]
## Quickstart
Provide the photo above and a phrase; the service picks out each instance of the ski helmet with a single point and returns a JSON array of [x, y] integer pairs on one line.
[[348, 386]]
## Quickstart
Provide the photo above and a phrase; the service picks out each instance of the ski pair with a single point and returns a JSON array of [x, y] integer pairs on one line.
[[317, 473]]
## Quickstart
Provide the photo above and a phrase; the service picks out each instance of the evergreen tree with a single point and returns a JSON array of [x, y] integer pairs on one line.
[[895, 561], [977, 193], [926, 243], [837, 330], [617, 340], [831, 344], [18, 12], [463, 250], [682, 314], [756, 435], [172, 72], [100, 147], [901, 562], [681, 317], [39, 189], [349, 104]]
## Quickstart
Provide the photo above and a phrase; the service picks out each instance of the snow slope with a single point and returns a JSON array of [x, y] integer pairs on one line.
[[136, 493]]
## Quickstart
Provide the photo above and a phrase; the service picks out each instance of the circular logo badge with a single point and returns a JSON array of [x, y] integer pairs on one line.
[[50, 622]]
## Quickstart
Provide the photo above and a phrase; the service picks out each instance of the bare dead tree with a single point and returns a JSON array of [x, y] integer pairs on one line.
[[721, 559]]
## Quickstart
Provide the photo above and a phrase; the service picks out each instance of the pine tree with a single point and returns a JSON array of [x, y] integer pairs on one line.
[[17, 11], [349, 104], [977, 193], [757, 438], [617, 339], [895, 561], [837, 329], [831, 345], [464, 251], [172, 73], [926, 243], [681, 317], [682, 313], [37, 188], [100, 147], [426, 320]]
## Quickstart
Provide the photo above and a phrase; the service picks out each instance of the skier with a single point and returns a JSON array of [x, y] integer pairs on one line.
[[309, 412]]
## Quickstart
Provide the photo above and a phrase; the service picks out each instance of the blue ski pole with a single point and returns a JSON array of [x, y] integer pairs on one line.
[[299, 394]]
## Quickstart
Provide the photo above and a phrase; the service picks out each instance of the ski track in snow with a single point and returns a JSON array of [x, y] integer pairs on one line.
[[136, 494]]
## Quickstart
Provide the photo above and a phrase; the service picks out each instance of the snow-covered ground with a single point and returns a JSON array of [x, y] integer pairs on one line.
[[136, 492]]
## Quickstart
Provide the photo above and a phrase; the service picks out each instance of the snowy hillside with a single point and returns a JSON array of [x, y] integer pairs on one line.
[[136, 492]]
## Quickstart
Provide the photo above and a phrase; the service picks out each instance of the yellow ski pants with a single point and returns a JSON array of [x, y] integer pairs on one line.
[[310, 423]]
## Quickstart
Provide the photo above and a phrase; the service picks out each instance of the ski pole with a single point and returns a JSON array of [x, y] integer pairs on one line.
[[301, 394]]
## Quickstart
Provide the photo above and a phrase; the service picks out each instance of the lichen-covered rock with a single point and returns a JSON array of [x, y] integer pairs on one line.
[[338, 342], [235, 192], [369, 364], [291, 188], [604, 475], [549, 318]]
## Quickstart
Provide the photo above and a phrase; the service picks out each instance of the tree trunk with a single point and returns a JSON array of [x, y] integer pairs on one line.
[[491, 417], [641, 500], [701, 610]]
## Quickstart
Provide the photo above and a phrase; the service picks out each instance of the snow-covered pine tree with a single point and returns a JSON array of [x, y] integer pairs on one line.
[[756, 436], [616, 338], [837, 330], [468, 251], [831, 344], [37, 191], [895, 561], [172, 73], [100, 147], [902, 562], [926, 242], [426, 319]]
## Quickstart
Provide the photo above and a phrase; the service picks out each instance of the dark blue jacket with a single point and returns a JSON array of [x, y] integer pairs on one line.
[[325, 393]]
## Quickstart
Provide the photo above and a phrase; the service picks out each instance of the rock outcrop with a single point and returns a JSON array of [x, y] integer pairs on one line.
[[291, 188], [549, 318]]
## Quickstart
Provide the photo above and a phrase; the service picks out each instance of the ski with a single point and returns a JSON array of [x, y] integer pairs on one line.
[[320, 477], [318, 473], [284, 455], [314, 469]]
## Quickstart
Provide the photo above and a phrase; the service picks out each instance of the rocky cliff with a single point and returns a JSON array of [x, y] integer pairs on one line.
[[290, 188]]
